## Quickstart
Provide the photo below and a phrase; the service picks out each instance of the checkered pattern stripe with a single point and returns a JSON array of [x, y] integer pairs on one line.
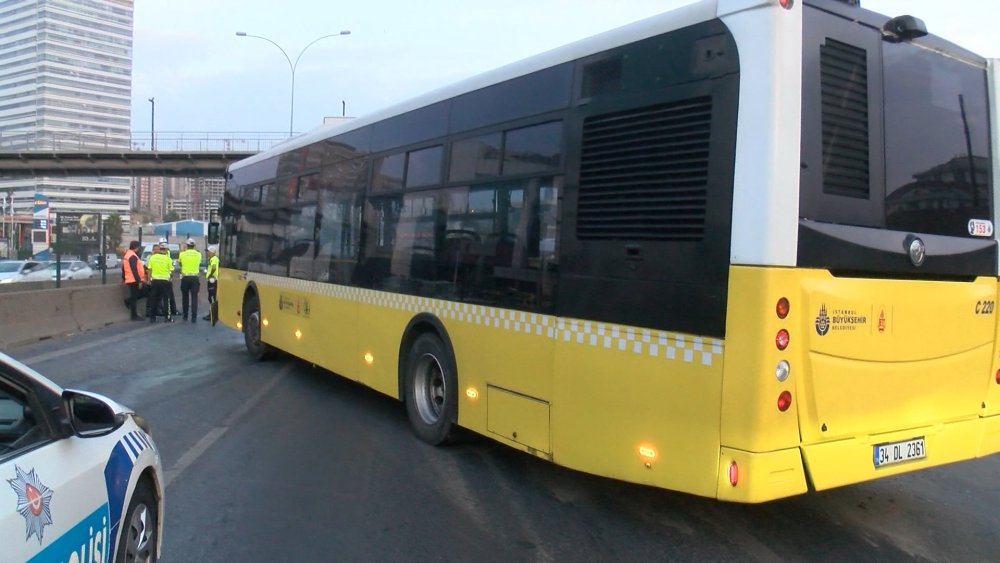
[[666, 345]]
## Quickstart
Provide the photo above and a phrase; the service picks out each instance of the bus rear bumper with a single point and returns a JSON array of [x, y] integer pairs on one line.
[[852, 460], [761, 476]]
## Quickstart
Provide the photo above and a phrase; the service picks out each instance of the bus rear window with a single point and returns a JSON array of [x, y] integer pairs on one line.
[[937, 145], [895, 135]]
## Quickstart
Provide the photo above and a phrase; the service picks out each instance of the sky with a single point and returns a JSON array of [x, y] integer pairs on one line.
[[187, 56]]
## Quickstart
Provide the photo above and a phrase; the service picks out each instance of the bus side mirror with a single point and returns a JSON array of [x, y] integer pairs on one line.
[[213, 233]]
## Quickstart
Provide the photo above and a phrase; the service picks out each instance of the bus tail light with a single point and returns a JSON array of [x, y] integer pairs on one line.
[[781, 339], [734, 473], [998, 377], [784, 401], [781, 309], [786, 4]]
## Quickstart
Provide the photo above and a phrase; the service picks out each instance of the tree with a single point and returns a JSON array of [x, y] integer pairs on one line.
[[171, 216], [113, 231]]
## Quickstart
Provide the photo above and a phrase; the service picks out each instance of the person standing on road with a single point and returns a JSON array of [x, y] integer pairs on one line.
[[212, 283], [160, 268], [149, 281], [190, 261], [134, 276], [165, 248]]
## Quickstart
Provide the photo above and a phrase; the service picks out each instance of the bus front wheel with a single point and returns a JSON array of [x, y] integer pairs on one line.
[[252, 329], [431, 390]]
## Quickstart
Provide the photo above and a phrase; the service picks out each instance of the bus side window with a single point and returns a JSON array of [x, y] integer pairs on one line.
[[337, 230], [255, 234], [300, 241], [520, 271]]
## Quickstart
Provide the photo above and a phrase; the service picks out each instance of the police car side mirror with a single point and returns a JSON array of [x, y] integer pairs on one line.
[[90, 415]]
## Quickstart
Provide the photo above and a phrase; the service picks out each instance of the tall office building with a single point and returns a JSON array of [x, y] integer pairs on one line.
[[66, 84], [190, 198], [149, 194], [206, 197]]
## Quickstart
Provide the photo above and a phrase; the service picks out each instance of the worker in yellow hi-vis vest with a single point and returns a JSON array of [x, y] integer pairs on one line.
[[190, 261], [212, 283], [160, 268]]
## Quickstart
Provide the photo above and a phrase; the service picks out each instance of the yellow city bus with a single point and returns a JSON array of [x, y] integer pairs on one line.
[[741, 249]]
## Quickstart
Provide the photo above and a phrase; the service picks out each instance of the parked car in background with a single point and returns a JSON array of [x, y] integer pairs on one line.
[[110, 261], [75, 270], [81, 476], [12, 271], [40, 273]]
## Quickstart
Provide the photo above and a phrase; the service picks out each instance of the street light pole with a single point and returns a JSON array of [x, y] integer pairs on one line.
[[10, 242], [3, 225], [292, 66], [152, 124]]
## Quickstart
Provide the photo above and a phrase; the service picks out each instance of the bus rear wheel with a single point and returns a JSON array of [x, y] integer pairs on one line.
[[431, 390], [252, 330]]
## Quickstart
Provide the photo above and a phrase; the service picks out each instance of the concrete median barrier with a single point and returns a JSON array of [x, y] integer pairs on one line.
[[27, 316]]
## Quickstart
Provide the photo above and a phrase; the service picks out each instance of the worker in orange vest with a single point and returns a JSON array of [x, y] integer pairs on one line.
[[134, 275]]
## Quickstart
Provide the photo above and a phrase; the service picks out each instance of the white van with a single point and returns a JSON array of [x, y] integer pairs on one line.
[[147, 249]]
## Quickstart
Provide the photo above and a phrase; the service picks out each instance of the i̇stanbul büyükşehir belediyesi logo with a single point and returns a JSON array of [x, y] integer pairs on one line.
[[822, 321], [33, 502]]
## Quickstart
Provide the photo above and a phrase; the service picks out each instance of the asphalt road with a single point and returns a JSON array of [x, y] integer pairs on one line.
[[280, 461]]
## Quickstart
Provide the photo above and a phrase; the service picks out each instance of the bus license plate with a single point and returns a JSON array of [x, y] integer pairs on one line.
[[896, 452]]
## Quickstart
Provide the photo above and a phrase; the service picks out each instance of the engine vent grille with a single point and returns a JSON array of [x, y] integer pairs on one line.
[[644, 173], [844, 88]]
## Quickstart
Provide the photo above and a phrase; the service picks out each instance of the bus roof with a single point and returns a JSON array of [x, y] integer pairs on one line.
[[649, 27]]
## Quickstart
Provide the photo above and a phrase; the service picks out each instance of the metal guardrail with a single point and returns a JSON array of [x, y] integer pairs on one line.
[[166, 141]]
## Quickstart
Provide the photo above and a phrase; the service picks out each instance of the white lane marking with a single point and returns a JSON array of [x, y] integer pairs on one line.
[[213, 435]]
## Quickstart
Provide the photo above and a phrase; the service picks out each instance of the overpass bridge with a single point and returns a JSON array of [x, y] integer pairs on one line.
[[29, 154]]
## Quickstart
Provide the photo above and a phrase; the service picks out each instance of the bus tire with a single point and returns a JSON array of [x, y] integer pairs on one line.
[[140, 530], [252, 330], [431, 390]]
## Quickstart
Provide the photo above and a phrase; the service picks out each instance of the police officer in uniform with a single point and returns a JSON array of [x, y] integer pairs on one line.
[[165, 247], [160, 268], [212, 282], [190, 261]]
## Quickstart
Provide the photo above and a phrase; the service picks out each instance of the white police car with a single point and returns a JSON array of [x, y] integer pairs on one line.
[[80, 477]]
